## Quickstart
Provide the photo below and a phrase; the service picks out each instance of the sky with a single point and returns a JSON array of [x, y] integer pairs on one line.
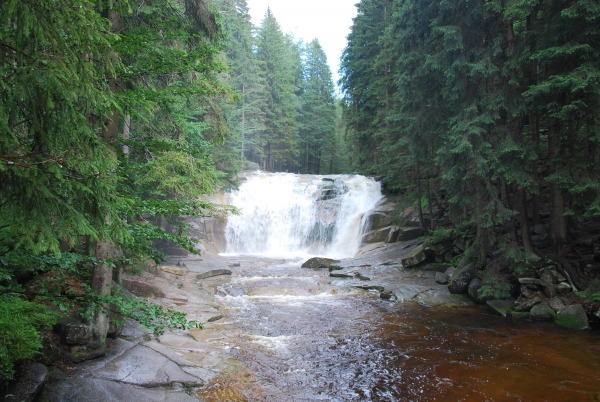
[[327, 20]]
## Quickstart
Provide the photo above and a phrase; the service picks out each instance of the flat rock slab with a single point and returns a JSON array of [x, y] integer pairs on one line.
[[408, 292], [200, 267], [390, 255], [213, 272], [440, 296], [145, 367], [174, 270], [92, 389], [501, 307]]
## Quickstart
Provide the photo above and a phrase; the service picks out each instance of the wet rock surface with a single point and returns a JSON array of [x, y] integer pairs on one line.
[[384, 270], [32, 377]]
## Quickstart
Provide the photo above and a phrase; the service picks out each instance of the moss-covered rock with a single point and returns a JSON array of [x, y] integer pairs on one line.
[[573, 317]]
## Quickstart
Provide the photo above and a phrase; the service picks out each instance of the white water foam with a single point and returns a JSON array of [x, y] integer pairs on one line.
[[297, 216]]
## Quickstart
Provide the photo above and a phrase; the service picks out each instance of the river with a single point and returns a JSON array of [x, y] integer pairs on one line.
[[302, 335]]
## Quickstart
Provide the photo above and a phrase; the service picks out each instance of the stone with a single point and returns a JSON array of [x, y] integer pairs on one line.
[[376, 236], [500, 307], [378, 220], [145, 367], [174, 270], [527, 305], [529, 281], [573, 317], [460, 243], [450, 271], [406, 293], [141, 289], [547, 282], [73, 332], [234, 265], [393, 234], [441, 248], [319, 262], [92, 389], [434, 267], [460, 282], [441, 278], [448, 256], [213, 272], [175, 251], [556, 304], [473, 289], [30, 381], [414, 257], [563, 288], [541, 312], [527, 293], [407, 234]]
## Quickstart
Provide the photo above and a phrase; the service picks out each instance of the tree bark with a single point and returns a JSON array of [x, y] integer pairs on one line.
[[558, 223], [420, 197], [102, 273]]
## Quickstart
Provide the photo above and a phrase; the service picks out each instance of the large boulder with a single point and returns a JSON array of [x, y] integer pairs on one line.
[[527, 305], [29, 383], [378, 220], [414, 257], [319, 262], [459, 284], [407, 234], [573, 317], [140, 288], [74, 332], [441, 278], [541, 312], [376, 236]]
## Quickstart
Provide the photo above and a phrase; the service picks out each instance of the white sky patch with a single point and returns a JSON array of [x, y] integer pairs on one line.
[[327, 20]]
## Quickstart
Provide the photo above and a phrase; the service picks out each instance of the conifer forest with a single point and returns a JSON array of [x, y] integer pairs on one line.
[[117, 115]]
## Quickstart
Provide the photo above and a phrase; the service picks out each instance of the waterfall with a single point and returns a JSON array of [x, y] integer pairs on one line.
[[289, 215]]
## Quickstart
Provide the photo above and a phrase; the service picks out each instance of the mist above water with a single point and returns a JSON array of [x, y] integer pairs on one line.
[[288, 215]]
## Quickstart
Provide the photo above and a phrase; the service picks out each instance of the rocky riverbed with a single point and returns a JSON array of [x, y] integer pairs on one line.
[[172, 367], [271, 324]]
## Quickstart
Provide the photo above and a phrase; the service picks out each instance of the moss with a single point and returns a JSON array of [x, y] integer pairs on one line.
[[519, 314], [568, 321]]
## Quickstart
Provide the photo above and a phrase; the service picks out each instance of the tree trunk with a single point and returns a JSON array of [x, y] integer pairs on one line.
[[419, 198], [430, 202], [525, 229], [558, 223], [102, 273]]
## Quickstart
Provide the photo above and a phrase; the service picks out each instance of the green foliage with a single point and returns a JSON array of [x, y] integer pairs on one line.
[[440, 235], [494, 286], [278, 61], [317, 113], [151, 316], [20, 321], [591, 294]]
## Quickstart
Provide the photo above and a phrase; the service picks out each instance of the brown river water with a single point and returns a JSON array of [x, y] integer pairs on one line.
[[303, 336]]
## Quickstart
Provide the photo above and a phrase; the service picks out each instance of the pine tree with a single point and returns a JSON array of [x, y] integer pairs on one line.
[[317, 117], [274, 54]]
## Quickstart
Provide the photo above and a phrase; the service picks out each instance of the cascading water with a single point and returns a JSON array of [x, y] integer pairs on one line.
[[288, 215]]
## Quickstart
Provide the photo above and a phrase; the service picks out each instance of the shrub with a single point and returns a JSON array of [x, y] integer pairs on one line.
[[19, 337]]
